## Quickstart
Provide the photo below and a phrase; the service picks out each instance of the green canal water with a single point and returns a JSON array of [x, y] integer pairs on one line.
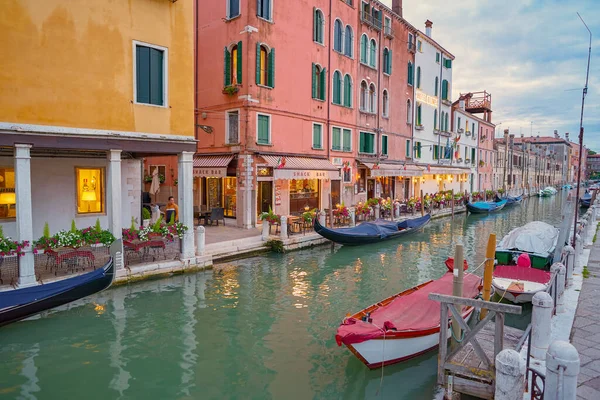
[[260, 328]]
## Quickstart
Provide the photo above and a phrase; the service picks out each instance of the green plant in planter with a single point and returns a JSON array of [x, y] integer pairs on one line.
[[46, 233], [73, 226], [97, 226], [270, 217], [501, 191], [133, 226], [156, 227], [231, 90], [308, 216], [145, 213]]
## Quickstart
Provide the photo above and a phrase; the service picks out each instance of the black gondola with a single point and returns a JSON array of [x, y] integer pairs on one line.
[[510, 200], [371, 232], [485, 207], [19, 304]]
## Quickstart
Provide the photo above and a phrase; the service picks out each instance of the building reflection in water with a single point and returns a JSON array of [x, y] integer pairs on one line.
[[29, 371]]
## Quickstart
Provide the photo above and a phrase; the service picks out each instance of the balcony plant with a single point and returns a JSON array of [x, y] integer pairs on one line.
[[481, 163], [9, 247], [309, 215], [341, 211], [231, 89], [270, 217]]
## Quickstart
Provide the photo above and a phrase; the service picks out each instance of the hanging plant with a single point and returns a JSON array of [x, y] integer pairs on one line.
[[231, 90]]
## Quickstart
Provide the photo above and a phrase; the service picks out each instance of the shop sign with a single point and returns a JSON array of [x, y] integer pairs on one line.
[[395, 172], [264, 171], [427, 99], [277, 195], [210, 172], [306, 174]]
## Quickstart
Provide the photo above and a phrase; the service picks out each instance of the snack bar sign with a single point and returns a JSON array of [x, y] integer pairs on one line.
[[210, 172], [306, 174]]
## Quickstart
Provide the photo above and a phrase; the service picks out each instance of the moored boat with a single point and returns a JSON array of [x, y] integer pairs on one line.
[[537, 239], [402, 326], [19, 304], [371, 232], [519, 283], [510, 200], [586, 199], [484, 207]]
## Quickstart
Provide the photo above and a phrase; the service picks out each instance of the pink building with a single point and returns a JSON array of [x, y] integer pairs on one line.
[[300, 106]]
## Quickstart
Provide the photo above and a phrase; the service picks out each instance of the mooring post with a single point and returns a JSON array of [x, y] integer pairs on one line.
[[322, 218], [266, 230], [488, 272], [578, 249], [509, 379], [560, 297], [452, 203], [284, 227], [562, 368], [352, 217], [377, 211], [422, 204], [569, 251], [541, 322], [200, 240], [396, 210], [457, 290]]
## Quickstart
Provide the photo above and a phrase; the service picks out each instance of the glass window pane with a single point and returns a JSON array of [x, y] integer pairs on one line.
[[90, 190], [8, 200]]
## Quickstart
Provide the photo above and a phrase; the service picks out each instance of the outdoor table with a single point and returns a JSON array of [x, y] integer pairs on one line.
[[72, 259], [143, 248], [295, 223]]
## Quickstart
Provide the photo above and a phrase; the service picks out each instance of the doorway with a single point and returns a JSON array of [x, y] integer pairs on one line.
[[265, 196], [370, 188], [335, 192]]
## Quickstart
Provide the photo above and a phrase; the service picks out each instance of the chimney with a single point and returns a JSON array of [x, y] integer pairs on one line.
[[428, 26], [461, 104], [556, 134], [567, 136], [397, 7]]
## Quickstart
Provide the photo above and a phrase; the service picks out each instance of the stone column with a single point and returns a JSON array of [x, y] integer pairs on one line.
[[509, 379], [185, 179], [24, 213], [113, 193], [541, 322], [570, 254], [200, 240], [246, 217], [562, 368], [352, 216], [284, 225], [377, 211]]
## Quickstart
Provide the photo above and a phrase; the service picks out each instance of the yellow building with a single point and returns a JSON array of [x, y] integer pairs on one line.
[[87, 89]]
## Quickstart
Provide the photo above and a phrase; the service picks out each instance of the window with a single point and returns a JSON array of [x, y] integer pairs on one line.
[[317, 136], [418, 77], [263, 129], [447, 63], [349, 42], [376, 17], [373, 58], [466, 152], [232, 127], [435, 120], [437, 84], [90, 190], [347, 175], [444, 90], [411, 74], [436, 152], [410, 41], [364, 48], [8, 198], [367, 143], [408, 112], [233, 65], [346, 140], [387, 26], [437, 58], [387, 61], [419, 115], [233, 8], [337, 88], [384, 145], [318, 82], [418, 149], [408, 150], [337, 35], [336, 139], [386, 104], [150, 74], [458, 124], [442, 120], [265, 66], [347, 91], [473, 156], [318, 23], [446, 123], [372, 98], [473, 128], [364, 96], [264, 9], [420, 46]]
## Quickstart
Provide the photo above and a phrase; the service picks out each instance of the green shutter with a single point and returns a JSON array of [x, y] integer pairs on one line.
[[390, 62], [337, 88], [363, 49], [317, 136], [142, 58], [315, 34], [434, 119], [384, 145], [419, 148], [239, 62], [435, 152], [419, 115], [336, 139], [473, 128], [473, 156], [408, 148], [347, 140], [314, 81], [410, 73], [418, 77], [323, 82], [448, 63], [263, 129], [156, 77], [437, 83], [437, 57], [258, 63], [444, 89], [271, 69], [347, 91], [227, 68]]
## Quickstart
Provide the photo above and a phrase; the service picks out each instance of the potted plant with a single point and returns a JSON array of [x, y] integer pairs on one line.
[[146, 216], [231, 89], [270, 217], [9, 247], [309, 216], [481, 163]]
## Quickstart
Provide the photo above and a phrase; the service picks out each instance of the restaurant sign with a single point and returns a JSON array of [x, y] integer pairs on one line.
[[209, 172], [305, 174], [427, 99], [396, 172]]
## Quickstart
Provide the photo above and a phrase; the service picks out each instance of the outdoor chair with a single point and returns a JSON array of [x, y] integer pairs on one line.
[[217, 214]]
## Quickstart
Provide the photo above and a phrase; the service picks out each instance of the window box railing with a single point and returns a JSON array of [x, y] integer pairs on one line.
[[446, 102], [388, 31], [436, 131], [412, 48], [419, 127], [460, 130]]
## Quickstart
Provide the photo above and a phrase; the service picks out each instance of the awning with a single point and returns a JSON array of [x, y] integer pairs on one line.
[[445, 170], [211, 166], [301, 167], [382, 169]]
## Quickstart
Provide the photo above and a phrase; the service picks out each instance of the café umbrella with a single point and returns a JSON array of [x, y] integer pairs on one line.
[[155, 185]]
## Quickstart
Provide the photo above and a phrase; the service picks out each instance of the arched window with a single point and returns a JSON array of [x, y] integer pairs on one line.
[[233, 64], [410, 73], [265, 65], [338, 31], [364, 48], [347, 91], [364, 96], [434, 119], [446, 122], [419, 115], [408, 112], [442, 121], [418, 77], [444, 90], [337, 88], [318, 82], [318, 26], [349, 41], [372, 98], [386, 60], [386, 104], [373, 58], [437, 84]]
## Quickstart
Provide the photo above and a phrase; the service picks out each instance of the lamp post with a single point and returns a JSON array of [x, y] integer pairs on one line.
[[587, 75]]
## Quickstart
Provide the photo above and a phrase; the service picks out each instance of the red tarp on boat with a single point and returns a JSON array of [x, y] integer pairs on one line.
[[522, 273], [413, 312]]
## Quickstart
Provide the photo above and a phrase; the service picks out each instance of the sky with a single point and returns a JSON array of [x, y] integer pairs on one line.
[[531, 55]]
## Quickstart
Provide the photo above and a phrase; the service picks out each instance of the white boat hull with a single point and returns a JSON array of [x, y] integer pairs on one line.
[[519, 297]]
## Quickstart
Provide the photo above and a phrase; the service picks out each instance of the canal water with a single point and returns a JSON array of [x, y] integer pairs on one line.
[[260, 328]]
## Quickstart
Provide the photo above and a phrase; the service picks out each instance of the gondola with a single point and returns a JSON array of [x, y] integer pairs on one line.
[[19, 304], [484, 207], [371, 232], [510, 200], [586, 199], [537, 239]]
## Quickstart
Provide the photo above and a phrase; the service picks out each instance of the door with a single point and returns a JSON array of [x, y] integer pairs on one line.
[[406, 189], [335, 192], [265, 196], [370, 188]]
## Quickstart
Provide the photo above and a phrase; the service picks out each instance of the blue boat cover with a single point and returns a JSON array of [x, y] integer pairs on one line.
[[13, 298], [379, 227], [485, 205], [586, 196]]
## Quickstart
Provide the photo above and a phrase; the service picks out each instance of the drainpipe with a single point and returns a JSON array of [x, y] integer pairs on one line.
[[440, 103], [328, 99], [379, 72], [195, 71]]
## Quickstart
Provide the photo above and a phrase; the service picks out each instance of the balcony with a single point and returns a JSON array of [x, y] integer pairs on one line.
[[370, 20], [388, 32], [412, 48], [419, 127], [460, 130]]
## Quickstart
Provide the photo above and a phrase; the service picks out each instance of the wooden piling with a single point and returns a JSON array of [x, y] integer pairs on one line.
[[330, 212], [457, 290], [422, 204], [452, 203], [488, 272]]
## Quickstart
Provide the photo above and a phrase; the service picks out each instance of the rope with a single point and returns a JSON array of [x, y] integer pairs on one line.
[[455, 338], [382, 358]]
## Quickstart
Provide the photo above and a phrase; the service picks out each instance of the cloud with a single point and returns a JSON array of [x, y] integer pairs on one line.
[[530, 55]]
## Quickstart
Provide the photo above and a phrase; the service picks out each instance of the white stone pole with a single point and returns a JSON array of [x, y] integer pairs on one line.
[[377, 211], [185, 164], [509, 379], [570, 254], [265, 230], [541, 322], [200, 240], [24, 213], [284, 225], [322, 218], [113, 193], [396, 210], [352, 216], [560, 298], [578, 249], [562, 368]]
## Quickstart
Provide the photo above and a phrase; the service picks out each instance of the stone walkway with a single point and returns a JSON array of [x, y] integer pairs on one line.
[[585, 335]]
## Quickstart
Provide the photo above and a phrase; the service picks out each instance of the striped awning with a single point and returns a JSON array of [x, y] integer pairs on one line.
[[301, 167], [383, 169], [211, 166]]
